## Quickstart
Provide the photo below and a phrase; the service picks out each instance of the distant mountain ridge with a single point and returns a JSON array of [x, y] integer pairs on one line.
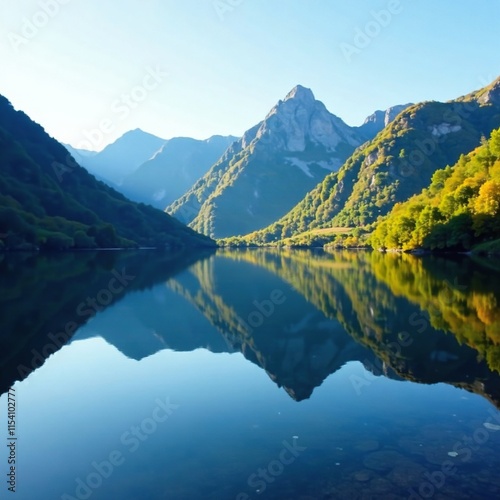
[[122, 157], [378, 120], [270, 168], [173, 169]]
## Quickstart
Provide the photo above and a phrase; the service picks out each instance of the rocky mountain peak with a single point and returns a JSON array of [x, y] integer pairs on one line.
[[492, 94], [383, 118], [375, 117], [301, 93], [300, 120], [378, 120], [394, 111]]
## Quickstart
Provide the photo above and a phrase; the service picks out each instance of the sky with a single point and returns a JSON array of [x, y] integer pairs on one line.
[[88, 71]]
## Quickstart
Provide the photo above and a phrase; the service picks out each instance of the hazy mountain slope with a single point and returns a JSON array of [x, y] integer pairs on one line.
[[79, 154], [173, 170], [47, 200], [122, 157]]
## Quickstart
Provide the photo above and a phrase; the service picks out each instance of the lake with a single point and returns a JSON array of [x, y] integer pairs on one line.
[[286, 374]]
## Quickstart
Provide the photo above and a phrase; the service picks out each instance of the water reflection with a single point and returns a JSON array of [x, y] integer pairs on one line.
[[301, 316], [339, 332], [429, 319], [45, 300], [298, 315]]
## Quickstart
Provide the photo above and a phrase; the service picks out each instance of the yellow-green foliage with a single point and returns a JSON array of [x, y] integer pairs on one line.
[[461, 207], [374, 295]]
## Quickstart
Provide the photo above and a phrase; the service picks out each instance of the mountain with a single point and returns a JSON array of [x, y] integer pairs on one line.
[[174, 169], [377, 121], [296, 345], [79, 154], [41, 301], [140, 325], [270, 169], [122, 157], [460, 208], [398, 163], [398, 315], [50, 202], [402, 309]]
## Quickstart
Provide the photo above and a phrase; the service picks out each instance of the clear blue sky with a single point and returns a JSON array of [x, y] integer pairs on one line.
[[224, 63]]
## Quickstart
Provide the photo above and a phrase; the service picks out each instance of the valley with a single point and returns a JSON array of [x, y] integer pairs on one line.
[[249, 249], [301, 177]]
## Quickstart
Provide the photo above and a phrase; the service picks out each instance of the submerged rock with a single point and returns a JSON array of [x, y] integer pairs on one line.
[[381, 485], [406, 474], [412, 444], [363, 475], [368, 445], [383, 461]]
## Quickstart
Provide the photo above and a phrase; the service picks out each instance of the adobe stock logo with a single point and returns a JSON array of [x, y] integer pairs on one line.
[[130, 441], [122, 107], [223, 7], [31, 26], [363, 37], [265, 476], [264, 309]]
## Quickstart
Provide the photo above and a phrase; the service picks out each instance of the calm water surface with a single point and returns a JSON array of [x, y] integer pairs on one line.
[[251, 374]]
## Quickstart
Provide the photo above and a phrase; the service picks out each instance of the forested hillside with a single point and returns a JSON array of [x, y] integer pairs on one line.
[[460, 208], [48, 201]]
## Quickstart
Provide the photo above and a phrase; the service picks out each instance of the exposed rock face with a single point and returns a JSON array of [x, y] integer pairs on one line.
[[270, 169], [444, 129], [394, 165], [379, 120], [300, 119], [492, 94]]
